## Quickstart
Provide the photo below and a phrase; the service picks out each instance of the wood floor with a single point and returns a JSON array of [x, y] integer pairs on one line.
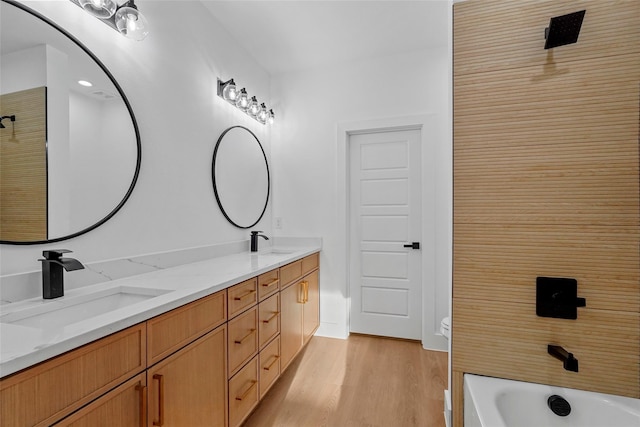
[[362, 381]]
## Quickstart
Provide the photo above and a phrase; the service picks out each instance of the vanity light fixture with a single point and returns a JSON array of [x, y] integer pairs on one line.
[[121, 15], [228, 91], [12, 118]]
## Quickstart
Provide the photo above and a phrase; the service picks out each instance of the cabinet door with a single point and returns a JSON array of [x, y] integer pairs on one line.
[[290, 322], [125, 406], [311, 314], [189, 388]]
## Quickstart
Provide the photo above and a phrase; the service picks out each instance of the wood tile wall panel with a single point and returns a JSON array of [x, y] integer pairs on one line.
[[23, 166], [546, 183], [501, 263], [506, 34], [508, 340]]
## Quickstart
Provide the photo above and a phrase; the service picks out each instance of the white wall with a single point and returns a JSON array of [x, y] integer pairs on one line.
[[310, 106], [170, 81]]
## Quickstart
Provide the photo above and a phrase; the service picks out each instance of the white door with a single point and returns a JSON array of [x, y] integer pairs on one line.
[[385, 215]]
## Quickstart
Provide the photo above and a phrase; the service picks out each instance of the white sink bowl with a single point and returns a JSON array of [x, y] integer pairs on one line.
[[65, 311]]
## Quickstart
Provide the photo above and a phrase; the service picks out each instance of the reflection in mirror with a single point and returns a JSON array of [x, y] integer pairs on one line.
[[71, 158], [240, 175]]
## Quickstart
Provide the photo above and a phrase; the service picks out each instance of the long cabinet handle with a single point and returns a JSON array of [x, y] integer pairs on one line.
[[273, 282], [247, 391], [275, 314], [160, 379], [143, 404], [241, 297], [301, 293], [243, 339], [306, 291], [275, 359]]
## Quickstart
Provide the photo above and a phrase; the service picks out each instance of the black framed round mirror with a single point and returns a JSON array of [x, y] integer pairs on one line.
[[71, 157], [240, 175]]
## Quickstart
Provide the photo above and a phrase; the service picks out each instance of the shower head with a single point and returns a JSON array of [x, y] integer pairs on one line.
[[563, 29], [12, 118]]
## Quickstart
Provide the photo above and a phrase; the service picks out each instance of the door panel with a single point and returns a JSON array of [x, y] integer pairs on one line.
[[385, 214]]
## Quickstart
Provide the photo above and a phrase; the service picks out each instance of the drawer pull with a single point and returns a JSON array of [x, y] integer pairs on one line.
[[275, 359], [243, 339], [275, 314], [241, 297], [160, 379], [273, 282], [143, 404], [247, 391], [306, 291]]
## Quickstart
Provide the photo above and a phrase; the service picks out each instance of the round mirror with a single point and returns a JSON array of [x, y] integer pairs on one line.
[[70, 148], [240, 174]]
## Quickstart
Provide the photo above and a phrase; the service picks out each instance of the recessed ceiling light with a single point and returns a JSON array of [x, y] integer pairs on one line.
[[85, 83]]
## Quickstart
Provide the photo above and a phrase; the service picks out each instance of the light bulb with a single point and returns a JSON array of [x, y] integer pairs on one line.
[[253, 108], [131, 23], [263, 114], [229, 91], [243, 100], [271, 118], [103, 9]]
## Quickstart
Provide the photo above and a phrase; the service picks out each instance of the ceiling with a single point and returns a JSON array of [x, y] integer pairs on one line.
[[296, 35]]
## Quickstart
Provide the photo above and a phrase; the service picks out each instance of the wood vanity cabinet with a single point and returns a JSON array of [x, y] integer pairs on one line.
[[189, 388], [299, 308], [208, 362], [125, 406]]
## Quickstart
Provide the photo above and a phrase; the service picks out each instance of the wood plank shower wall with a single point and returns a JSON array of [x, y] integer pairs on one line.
[[546, 183]]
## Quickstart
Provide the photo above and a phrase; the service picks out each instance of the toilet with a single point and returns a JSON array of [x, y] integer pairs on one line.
[[445, 327]]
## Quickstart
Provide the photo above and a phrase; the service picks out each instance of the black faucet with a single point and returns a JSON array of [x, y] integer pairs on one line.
[[52, 274], [254, 240], [570, 363]]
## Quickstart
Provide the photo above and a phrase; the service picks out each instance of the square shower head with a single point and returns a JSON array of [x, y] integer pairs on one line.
[[563, 29]]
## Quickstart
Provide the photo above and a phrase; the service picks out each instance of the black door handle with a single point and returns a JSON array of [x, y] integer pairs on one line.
[[414, 245]]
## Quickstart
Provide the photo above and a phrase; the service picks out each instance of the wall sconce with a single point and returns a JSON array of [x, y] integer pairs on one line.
[[229, 92], [123, 16], [12, 118]]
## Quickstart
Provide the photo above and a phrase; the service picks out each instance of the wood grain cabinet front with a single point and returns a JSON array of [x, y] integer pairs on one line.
[[50, 391], [242, 296], [189, 388], [243, 393], [269, 359], [125, 406], [243, 339], [268, 320], [268, 284], [173, 330]]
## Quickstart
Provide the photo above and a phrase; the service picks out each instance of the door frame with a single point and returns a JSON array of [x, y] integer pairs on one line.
[[431, 338]]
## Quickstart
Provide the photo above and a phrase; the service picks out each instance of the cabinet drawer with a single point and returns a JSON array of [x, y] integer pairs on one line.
[[243, 393], [53, 389], [310, 263], [289, 273], [268, 319], [269, 366], [243, 339], [124, 407], [242, 296], [177, 328], [268, 284]]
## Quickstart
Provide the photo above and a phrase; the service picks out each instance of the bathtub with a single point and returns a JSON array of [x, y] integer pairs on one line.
[[494, 402]]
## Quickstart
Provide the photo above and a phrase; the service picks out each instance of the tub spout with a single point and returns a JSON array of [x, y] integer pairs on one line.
[[569, 362]]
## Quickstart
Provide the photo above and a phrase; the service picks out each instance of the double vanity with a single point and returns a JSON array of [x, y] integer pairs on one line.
[[201, 341]]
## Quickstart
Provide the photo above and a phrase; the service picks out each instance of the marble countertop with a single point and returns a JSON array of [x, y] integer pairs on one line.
[[23, 346]]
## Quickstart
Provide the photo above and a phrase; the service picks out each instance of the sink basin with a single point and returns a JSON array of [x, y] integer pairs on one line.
[[281, 251], [69, 310]]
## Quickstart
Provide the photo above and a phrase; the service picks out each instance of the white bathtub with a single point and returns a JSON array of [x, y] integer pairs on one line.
[[494, 402]]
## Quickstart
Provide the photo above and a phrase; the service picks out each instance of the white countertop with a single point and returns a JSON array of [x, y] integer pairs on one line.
[[24, 346]]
